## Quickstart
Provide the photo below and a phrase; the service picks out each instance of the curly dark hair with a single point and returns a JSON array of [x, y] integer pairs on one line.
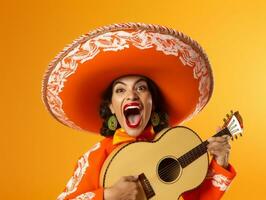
[[157, 99]]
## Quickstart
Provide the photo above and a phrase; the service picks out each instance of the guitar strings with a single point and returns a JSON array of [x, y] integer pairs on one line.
[[172, 167], [184, 160], [167, 168], [168, 171], [165, 172]]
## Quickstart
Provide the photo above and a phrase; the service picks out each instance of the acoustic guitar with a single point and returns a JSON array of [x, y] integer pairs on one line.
[[174, 162]]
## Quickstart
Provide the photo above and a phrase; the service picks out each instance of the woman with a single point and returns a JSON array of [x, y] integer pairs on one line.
[[129, 60]]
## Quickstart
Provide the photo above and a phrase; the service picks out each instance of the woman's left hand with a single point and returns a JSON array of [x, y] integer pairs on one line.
[[220, 148]]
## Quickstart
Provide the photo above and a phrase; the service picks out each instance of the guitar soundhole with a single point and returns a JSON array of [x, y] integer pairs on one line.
[[168, 169]]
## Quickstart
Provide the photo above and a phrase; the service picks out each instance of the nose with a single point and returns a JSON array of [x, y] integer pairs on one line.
[[132, 95]]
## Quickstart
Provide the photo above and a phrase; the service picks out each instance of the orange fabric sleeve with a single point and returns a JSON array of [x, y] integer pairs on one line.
[[213, 187], [84, 183]]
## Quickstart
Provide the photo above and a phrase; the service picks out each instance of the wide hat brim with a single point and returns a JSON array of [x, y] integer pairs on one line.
[[76, 79]]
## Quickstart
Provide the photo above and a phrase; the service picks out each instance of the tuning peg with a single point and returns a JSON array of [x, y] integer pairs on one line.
[[241, 134], [232, 138], [236, 137], [224, 120], [232, 112], [228, 116]]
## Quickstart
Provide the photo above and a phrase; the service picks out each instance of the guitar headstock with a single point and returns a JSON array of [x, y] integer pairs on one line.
[[234, 123]]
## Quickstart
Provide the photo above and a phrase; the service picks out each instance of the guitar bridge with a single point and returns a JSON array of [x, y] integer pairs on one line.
[[145, 183]]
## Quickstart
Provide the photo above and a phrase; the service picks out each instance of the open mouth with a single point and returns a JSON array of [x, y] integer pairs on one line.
[[132, 114]]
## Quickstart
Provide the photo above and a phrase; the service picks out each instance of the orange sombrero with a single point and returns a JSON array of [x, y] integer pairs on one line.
[[75, 80]]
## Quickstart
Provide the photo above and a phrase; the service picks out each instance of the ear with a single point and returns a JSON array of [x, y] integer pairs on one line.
[[111, 108]]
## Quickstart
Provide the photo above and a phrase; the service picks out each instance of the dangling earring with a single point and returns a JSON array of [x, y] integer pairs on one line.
[[155, 119], [112, 123]]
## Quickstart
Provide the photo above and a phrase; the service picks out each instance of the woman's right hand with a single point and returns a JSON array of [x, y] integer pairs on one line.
[[126, 188]]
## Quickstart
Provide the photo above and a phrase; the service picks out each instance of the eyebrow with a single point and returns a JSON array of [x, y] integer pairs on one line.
[[139, 80]]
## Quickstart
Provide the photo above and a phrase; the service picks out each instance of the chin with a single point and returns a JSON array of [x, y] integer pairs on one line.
[[134, 132]]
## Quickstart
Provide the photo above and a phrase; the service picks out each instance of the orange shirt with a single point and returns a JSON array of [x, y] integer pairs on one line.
[[84, 184]]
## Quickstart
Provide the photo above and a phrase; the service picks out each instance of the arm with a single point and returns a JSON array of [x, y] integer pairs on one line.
[[220, 173], [84, 184], [125, 188], [217, 181]]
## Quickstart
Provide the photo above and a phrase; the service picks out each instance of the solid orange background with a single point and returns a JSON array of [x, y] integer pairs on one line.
[[38, 154]]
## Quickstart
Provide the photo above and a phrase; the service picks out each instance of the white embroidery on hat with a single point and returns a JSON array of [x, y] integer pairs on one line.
[[83, 164], [116, 41]]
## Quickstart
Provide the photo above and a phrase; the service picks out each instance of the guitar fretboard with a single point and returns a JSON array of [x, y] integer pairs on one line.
[[199, 150]]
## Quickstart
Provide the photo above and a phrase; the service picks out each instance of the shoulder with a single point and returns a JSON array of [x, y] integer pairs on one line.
[[98, 151], [107, 144], [106, 141], [102, 146]]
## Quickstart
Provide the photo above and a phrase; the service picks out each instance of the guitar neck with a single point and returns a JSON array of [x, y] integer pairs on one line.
[[199, 150]]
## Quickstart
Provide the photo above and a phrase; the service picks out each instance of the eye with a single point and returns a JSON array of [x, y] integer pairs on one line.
[[119, 90], [142, 88]]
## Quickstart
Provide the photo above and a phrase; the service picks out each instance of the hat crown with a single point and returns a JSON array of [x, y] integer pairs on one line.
[[112, 51]]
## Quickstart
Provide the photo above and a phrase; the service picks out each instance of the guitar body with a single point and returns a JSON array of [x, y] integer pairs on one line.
[[149, 158]]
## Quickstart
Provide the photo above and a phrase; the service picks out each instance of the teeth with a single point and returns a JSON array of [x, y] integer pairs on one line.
[[131, 107]]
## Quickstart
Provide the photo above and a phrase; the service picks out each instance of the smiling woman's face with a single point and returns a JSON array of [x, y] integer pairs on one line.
[[131, 103]]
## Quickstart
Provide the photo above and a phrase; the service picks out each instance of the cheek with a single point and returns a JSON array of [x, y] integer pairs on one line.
[[148, 105], [115, 107], [116, 104]]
